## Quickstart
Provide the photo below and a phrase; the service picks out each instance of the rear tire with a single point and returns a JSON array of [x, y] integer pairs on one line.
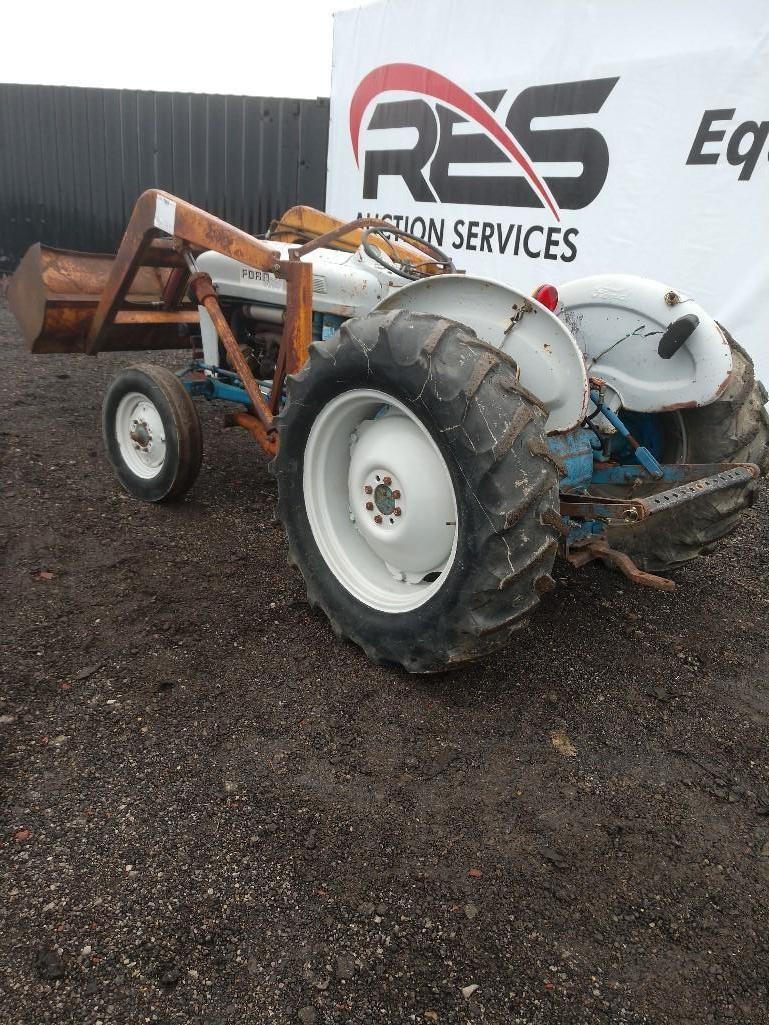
[[734, 429], [437, 417], [152, 433]]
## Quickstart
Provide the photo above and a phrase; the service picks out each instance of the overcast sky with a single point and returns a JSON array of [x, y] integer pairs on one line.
[[257, 48]]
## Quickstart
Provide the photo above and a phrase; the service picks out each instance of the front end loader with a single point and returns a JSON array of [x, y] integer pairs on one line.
[[438, 439]]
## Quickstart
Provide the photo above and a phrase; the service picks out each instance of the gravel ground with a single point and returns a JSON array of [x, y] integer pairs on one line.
[[216, 813]]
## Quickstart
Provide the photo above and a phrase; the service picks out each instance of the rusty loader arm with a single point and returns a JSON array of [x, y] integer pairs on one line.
[[138, 299]]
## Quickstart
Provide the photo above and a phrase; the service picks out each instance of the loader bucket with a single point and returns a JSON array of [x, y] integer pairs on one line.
[[54, 292]]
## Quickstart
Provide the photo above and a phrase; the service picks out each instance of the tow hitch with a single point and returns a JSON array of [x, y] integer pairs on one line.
[[588, 515]]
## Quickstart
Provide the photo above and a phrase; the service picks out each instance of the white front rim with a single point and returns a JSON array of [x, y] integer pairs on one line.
[[140, 435], [380, 501]]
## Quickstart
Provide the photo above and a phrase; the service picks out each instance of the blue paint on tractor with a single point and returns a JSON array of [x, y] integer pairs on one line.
[[573, 450], [325, 326], [578, 452], [330, 324], [632, 456], [218, 384], [641, 453], [648, 430], [212, 388], [582, 530]]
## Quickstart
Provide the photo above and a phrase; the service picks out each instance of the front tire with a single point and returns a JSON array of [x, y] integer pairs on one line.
[[412, 412], [152, 433]]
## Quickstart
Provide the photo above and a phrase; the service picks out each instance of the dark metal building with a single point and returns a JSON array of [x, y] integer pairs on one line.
[[73, 161]]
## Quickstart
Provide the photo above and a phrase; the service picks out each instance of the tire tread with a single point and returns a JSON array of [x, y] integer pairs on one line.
[[468, 391], [734, 428]]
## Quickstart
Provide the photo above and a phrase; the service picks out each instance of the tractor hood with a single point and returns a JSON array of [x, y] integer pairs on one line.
[[343, 283]]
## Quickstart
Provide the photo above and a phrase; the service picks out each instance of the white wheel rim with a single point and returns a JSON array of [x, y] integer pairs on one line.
[[140, 435], [391, 561]]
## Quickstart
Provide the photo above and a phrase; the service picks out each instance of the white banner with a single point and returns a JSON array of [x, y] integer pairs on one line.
[[543, 141]]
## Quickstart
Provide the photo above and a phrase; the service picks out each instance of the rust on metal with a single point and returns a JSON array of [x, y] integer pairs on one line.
[[297, 322], [205, 293], [579, 555], [551, 518], [157, 317], [266, 438], [340, 232], [315, 228], [727, 476], [54, 292], [140, 298], [175, 287], [631, 510], [195, 228], [690, 404]]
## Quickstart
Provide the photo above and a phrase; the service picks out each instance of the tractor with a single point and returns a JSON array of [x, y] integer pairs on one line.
[[437, 438]]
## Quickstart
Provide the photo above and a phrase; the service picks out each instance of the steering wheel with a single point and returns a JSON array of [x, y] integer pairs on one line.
[[396, 263]]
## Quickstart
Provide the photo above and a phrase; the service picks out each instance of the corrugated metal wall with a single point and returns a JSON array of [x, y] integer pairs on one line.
[[73, 161]]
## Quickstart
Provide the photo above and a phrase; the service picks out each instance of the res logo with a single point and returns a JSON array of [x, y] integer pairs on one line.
[[431, 168]]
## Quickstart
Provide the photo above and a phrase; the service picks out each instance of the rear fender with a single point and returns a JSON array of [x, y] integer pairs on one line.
[[550, 364], [618, 321]]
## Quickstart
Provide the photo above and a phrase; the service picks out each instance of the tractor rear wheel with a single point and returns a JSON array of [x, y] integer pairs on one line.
[[734, 429], [152, 433], [416, 491]]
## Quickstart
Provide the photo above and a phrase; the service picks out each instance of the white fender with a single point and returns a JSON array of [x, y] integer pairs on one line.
[[617, 321], [549, 361]]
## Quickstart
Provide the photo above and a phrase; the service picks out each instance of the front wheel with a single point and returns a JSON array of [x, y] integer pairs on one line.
[[152, 433], [416, 491]]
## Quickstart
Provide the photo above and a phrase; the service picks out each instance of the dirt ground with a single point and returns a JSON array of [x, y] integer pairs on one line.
[[214, 812]]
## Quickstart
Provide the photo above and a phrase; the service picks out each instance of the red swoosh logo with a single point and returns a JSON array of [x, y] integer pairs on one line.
[[415, 78]]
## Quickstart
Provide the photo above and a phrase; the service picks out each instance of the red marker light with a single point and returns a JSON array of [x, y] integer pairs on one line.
[[547, 295]]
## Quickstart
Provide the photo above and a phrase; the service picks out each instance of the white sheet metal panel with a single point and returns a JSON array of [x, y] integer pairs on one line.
[[617, 321], [549, 362]]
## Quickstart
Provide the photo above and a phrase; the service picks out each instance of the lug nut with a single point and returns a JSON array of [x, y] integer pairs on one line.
[[396, 494], [377, 518], [387, 480], [397, 510], [369, 506], [368, 490]]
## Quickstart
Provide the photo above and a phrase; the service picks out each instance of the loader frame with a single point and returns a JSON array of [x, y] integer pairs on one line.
[[143, 300]]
